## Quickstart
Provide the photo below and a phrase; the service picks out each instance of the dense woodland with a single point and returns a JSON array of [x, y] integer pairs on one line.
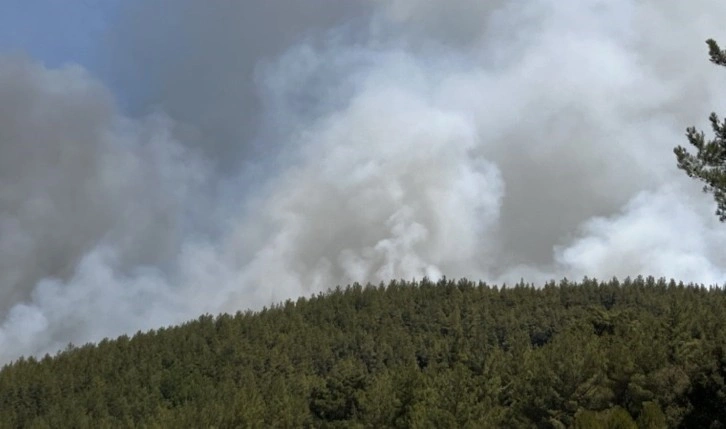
[[639, 353]]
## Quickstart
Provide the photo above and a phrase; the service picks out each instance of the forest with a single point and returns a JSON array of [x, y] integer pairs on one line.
[[634, 353]]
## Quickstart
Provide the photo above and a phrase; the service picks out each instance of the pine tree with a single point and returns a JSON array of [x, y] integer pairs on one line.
[[709, 163]]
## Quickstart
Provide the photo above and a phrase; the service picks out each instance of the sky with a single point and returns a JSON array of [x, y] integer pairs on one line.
[[161, 159], [56, 32]]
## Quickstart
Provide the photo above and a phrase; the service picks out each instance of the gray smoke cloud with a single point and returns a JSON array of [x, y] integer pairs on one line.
[[85, 195], [197, 61], [275, 149]]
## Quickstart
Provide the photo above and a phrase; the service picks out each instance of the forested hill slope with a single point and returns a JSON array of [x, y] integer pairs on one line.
[[640, 353]]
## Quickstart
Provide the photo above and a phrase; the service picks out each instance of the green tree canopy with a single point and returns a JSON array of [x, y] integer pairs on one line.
[[636, 354], [708, 164]]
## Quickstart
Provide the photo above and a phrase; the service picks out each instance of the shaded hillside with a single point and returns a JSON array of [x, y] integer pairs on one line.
[[449, 354]]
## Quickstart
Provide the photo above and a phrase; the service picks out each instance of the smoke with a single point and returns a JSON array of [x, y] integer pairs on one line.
[[233, 164], [87, 195], [197, 61]]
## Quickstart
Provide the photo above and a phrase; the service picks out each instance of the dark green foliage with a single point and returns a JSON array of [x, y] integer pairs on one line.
[[651, 417], [709, 163], [639, 353]]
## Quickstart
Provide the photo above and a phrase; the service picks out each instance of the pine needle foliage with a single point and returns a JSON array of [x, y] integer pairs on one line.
[[708, 164]]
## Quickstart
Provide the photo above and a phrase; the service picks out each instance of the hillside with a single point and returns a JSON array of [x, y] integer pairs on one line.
[[637, 353]]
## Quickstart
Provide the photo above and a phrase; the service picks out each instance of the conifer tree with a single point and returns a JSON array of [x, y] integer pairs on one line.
[[708, 164]]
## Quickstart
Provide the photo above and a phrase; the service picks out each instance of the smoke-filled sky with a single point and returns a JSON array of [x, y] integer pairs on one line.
[[160, 159]]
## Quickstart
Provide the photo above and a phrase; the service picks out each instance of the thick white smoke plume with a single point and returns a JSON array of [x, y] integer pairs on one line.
[[369, 140]]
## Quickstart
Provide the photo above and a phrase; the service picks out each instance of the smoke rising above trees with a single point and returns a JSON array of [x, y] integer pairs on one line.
[[213, 166]]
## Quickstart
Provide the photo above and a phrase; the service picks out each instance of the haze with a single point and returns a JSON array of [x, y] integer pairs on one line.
[[160, 159]]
